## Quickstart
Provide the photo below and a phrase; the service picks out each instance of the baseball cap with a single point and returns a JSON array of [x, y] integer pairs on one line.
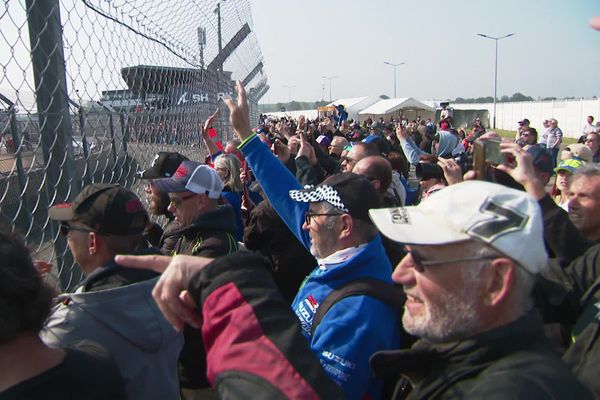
[[324, 140], [508, 220], [371, 138], [541, 158], [353, 194], [164, 164], [193, 177], [571, 165], [577, 150], [524, 121], [107, 208]]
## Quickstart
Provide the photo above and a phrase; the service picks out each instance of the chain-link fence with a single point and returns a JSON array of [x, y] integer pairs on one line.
[[92, 89]]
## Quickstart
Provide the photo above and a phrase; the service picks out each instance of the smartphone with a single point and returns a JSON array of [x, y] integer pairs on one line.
[[486, 153]]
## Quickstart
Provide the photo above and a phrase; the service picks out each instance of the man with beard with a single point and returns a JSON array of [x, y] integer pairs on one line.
[[474, 252], [163, 165], [584, 201]]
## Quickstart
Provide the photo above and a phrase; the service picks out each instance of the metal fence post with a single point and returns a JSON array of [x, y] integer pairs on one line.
[[48, 65], [124, 131], [84, 143], [17, 140]]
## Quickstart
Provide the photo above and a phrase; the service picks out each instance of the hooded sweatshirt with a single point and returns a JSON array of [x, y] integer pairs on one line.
[[126, 321]]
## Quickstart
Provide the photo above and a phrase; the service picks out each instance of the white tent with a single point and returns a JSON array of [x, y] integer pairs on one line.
[[406, 106], [354, 105], [310, 114]]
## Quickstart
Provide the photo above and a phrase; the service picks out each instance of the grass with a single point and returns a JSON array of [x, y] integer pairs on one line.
[[512, 134]]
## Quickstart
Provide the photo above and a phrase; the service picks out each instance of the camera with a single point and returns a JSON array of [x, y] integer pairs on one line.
[[425, 171]]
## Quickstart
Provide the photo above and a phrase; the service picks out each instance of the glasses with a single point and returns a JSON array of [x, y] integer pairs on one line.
[[176, 201], [420, 264], [66, 228], [309, 216]]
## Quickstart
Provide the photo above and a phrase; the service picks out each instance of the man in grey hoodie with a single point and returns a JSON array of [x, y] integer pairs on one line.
[[113, 305]]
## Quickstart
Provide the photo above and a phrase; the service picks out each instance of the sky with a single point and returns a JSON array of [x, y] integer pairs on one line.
[[554, 52]]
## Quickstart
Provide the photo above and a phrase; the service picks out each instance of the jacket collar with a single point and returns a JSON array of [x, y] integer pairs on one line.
[[455, 359]]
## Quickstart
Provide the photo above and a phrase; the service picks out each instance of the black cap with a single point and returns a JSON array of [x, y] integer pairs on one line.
[[525, 121], [351, 193], [105, 208], [163, 165], [541, 158]]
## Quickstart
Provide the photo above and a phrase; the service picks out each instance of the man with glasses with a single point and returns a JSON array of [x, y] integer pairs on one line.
[[331, 220], [164, 164], [113, 305], [337, 146], [592, 141], [206, 229], [474, 252]]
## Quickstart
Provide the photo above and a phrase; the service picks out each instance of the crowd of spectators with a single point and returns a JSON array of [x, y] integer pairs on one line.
[[475, 277]]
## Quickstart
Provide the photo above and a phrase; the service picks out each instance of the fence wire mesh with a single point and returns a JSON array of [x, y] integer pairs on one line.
[[92, 89]]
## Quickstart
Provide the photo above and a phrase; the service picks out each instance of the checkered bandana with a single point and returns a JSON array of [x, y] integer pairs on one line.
[[311, 194]]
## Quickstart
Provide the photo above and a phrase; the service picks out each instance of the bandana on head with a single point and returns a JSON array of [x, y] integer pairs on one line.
[[319, 193]]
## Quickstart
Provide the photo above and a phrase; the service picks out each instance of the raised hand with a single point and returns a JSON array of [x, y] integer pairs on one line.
[[209, 122], [524, 171], [238, 113]]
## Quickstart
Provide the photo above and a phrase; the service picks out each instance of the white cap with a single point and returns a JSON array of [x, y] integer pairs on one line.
[[205, 180], [508, 220]]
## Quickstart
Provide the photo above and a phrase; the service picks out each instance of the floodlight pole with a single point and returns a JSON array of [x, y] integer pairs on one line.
[[394, 65], [329, 78], [496, 39], [289, 92]]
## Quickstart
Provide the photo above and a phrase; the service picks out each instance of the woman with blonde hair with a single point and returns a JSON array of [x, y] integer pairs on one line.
[[228, 168]]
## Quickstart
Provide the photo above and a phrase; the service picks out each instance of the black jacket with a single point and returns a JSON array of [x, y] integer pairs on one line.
[[210, 235], [164, 239], [510, 362], [568, 292], [574, 300]]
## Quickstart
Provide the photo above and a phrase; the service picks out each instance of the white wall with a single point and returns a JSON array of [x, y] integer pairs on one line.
[[570, 114]]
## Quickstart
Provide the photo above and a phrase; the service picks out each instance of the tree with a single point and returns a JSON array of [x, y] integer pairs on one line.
[[520, 97]]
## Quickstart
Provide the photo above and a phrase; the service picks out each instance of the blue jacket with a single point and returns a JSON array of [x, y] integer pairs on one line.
[[354, 328]]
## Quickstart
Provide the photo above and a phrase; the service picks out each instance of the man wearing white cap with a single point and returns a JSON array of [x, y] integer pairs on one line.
[[208, 230], [474, 250]]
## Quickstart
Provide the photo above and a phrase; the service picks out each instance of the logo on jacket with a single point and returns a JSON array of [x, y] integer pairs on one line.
[[312, 303]]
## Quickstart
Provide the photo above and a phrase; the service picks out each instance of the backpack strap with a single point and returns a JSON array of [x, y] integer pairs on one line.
[[380, 290]]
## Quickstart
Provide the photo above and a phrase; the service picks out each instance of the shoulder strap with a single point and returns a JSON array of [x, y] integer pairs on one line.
[[386, 292]]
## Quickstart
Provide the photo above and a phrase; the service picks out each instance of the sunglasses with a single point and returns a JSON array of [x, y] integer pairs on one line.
[[177, 201], [420, 264], [66, 228]]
